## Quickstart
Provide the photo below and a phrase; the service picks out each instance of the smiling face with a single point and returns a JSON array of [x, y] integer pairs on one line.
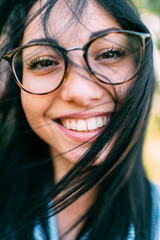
[[81, 107]]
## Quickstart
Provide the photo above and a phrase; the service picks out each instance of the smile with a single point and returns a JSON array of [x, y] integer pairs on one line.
[[85, 125]]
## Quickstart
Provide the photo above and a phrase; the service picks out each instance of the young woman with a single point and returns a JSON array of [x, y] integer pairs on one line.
[[72, 130]]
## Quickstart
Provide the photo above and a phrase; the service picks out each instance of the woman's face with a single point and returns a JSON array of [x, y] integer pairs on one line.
[[81, 107]]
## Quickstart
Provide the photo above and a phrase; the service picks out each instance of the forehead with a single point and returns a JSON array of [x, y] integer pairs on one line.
[[66, 24]]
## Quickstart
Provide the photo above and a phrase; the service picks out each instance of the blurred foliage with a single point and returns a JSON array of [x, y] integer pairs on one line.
[[150, 5], [151, 153], [158, 43]]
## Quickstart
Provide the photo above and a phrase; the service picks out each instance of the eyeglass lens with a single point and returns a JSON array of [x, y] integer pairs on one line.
[[113, 58]]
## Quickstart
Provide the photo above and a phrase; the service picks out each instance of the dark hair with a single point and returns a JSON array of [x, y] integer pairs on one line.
[[26, 175]]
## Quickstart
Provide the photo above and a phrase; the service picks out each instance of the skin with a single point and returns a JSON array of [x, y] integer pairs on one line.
[[93, 98]]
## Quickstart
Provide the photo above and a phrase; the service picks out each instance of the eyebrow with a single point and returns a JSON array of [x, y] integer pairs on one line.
[[55, 41], [47, 40], [98, 33]]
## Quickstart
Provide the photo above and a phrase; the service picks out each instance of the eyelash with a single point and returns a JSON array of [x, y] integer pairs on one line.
[[119, 52], [49, 63], [32, 64]]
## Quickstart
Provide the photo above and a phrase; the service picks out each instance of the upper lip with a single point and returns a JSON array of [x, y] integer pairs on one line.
[[83, 115]]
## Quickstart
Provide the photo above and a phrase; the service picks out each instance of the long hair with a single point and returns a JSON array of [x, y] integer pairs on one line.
[[26, 176]]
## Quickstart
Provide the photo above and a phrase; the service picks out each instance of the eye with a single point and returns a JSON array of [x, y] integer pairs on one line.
[[110, 55], [42, 64]]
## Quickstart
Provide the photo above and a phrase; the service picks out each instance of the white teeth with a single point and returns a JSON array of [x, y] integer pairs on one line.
[[67, 125], [85, 124], [73, 125], [105, 120], [81, 125], [99, 122], [92, 124]]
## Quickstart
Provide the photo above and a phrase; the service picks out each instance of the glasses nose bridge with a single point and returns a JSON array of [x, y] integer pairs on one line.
[[75, 49]]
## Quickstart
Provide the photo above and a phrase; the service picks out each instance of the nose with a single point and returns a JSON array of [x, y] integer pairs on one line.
[[79, 87]]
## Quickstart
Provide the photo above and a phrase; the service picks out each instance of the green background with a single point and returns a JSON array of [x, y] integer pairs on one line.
[[150, 13]]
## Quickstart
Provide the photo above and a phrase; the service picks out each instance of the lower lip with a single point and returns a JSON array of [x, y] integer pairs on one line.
[[81, 136]]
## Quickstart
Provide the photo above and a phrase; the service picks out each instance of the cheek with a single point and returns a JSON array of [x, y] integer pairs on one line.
[[34, 108], [122, 90]]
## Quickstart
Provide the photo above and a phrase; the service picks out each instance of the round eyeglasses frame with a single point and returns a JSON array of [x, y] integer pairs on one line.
[[9, 57]]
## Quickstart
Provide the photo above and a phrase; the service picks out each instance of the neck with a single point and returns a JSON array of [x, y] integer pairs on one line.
[[71, 214]]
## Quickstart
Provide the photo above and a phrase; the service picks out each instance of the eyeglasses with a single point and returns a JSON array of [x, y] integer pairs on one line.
[[113, 57]]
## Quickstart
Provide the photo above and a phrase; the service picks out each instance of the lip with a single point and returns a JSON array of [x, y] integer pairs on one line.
[[81, 136], [83, 115]]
